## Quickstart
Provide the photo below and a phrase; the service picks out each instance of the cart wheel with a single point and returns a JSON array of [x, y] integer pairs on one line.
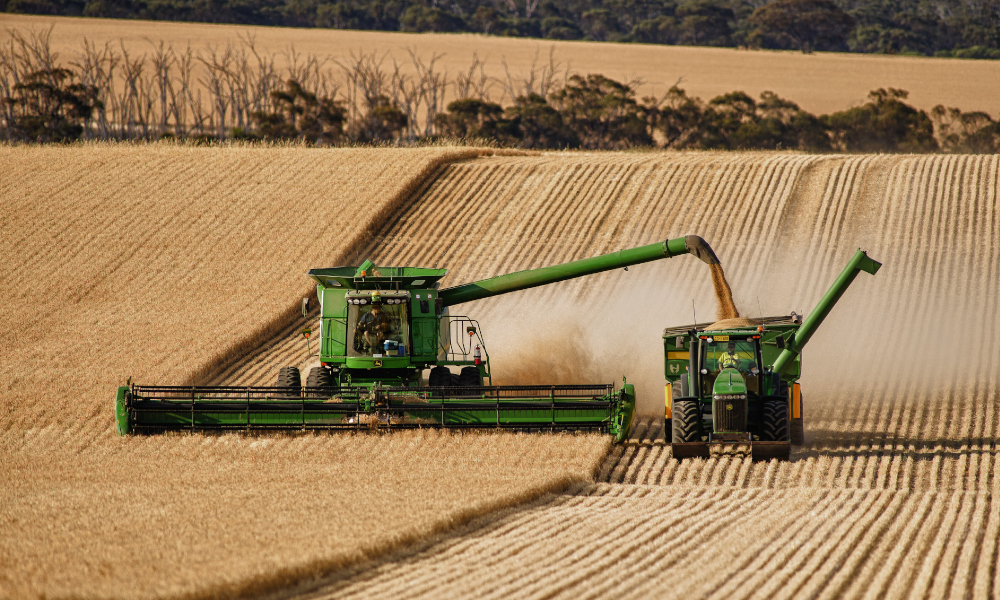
[[774, 420]]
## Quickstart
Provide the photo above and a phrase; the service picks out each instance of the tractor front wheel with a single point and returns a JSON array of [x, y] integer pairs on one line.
[[686, 421], [774, 420]]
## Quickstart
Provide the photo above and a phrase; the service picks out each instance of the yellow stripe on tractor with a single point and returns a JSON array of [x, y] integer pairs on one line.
[[668, 403], [796, 401], [678, 355]]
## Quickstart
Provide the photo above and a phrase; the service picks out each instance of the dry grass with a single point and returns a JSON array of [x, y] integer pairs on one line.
[[162, 262], [820, 82]]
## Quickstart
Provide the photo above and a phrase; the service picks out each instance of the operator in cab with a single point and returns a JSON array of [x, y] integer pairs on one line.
[[374, 326], [729, 360]]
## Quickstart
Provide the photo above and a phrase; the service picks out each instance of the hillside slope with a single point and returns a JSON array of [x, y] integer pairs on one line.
[[162, 262], [895, 493]]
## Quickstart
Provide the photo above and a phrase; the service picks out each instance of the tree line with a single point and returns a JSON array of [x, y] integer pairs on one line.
[[956, 28], [239, 93]]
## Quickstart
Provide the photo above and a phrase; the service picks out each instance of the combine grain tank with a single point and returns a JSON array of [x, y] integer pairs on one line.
[[737, 383], [387, 346]]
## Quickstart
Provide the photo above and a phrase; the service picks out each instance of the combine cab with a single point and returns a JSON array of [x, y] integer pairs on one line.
[[393, 356], [735, 383]]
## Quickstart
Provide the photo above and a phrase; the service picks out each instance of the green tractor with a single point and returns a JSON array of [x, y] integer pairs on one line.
[[735, 382], [387, 345]]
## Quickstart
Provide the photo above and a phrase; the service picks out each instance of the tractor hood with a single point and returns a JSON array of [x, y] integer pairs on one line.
[[729, 381]]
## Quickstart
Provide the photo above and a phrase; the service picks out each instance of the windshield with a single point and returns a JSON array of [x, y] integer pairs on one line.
[[377, 330], [723, 354]]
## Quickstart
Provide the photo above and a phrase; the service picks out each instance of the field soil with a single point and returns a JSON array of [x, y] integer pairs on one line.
[[165, 263], [821, 82], [894, 494]]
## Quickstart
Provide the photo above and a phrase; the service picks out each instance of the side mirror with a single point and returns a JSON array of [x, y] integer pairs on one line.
[[305, 307]]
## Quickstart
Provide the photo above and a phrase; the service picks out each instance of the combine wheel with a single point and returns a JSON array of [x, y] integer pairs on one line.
[[319, 377], [291, 379], [469, 377], [686, 421], [774, 420], [439, 377]]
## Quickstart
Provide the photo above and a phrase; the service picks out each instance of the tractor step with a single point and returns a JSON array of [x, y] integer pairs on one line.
[[690, 450], [760, 451]]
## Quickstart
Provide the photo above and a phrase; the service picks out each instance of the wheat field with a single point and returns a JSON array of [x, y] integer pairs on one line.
[[894, 493], [821, 82], [163, 263]]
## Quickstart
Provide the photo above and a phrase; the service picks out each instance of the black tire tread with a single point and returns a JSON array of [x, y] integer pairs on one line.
[[686, 421], [469, 377], [319, 378], [439, 377], [774, 420], [291, 379]]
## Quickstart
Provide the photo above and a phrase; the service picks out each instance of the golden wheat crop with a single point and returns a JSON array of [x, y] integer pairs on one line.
[[895, 493], [165, 263], [820, 82]]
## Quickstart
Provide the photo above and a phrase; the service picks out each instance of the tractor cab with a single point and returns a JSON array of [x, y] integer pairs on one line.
[[730, 364]]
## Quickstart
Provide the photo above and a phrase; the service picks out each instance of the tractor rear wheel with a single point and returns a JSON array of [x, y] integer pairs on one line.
[[319, 378], [686, 421], [469, 377], [439, 377], [774, 420], [290, 379]]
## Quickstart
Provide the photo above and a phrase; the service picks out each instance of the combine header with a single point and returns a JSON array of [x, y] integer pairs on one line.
[[380, 329], [736, 383]]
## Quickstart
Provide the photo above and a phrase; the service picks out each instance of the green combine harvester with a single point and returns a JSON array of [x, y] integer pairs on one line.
[[731, 384], [380, 329]]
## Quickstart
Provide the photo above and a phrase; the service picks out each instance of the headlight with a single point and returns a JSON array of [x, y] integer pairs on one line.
[[717, 397]]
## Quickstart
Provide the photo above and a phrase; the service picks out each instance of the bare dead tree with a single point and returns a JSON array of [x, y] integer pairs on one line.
[[433, 84], [218, 65], [97, 67], [163, 60], [366, 85], [539, 80], [474, 83]]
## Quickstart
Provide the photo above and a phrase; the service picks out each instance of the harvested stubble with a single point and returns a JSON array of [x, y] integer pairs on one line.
[[821, 82], [896, 493], [164, 262]]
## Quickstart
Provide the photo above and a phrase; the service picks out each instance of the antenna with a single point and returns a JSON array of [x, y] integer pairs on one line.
[[694, 314], [760, 311]]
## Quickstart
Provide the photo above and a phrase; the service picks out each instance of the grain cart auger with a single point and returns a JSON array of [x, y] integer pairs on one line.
[[380, 328], [737, 383]]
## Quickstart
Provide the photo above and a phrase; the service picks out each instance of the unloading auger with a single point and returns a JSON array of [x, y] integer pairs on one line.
[[380, 328]]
